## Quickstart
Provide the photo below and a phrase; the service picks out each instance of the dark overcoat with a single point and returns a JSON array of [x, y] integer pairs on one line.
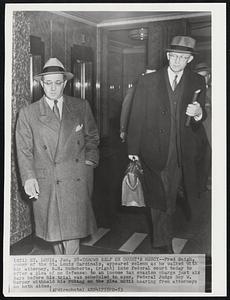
[[54, 153], [149, 133]]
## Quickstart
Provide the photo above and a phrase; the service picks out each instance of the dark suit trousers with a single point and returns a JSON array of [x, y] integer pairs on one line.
[[162, 220]]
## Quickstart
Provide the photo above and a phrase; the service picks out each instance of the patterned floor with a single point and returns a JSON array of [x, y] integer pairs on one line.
[[104, 242], [130, 233]]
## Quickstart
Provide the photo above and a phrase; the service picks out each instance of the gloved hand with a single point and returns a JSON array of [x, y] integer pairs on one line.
[[194, 110], [31, 188]]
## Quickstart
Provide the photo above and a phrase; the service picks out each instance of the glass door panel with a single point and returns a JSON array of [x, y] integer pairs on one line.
[[82, 82]]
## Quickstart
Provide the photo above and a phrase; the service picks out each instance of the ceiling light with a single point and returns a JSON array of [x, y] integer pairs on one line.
[[139, 34]]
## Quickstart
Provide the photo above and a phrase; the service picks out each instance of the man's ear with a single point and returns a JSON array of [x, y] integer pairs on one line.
[[42, 83], [167, 55], [190, 59], [65, 83]]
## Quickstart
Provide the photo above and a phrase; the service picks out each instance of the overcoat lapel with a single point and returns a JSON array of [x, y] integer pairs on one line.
[[157, 90], [163, 92], [70, 119], [47, 117], [186, 97], [164, 114]]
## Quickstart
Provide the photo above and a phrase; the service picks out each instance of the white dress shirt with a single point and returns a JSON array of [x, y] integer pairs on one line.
[[59, 104], [172, 75]]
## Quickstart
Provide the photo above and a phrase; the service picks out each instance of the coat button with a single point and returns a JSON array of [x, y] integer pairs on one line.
[[78, 179], [162, 130], [58, 181], [77, 160], [163, 112], [44, 147]]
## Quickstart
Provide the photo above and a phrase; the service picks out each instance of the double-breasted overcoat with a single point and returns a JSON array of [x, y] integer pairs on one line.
[[54, 153]]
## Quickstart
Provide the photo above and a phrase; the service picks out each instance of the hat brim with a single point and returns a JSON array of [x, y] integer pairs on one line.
[[202, 69], [68, 75], [180, 51]]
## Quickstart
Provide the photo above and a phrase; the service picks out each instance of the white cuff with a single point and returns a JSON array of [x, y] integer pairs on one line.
[[198, 118]]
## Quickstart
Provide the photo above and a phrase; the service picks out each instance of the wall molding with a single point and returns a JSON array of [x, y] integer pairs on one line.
[[74, 18], [134, 20], [134, 50], [120, 44], [148, 19], [115, 49]]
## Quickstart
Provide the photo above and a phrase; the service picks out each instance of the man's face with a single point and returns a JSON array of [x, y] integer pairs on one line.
[[53, 85], [178, 61]]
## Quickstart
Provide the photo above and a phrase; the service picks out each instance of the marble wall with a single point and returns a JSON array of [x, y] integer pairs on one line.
[[20, 218]]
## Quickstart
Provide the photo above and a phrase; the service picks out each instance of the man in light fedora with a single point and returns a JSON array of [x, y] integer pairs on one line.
[[162, 135], [57, 147]]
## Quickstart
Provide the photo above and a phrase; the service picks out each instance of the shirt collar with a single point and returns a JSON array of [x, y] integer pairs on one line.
[[51, 102], [171, 74]]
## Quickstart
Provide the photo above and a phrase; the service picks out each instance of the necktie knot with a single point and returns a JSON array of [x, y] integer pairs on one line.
[[56, 109], [174, 84]]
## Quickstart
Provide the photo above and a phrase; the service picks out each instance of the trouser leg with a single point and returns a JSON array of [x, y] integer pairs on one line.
[[161, 222], [58, 248], [71, 247]]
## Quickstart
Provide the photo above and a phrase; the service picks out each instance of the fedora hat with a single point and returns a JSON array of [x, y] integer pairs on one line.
[[53, 66], [202, 66], [182, 44]]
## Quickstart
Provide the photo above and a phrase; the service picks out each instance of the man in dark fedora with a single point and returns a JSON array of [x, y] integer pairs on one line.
[[204, 70], [163, 124], [57, 142]]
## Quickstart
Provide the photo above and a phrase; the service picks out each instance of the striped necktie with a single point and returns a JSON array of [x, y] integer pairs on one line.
[[56, 110], [174, 84]]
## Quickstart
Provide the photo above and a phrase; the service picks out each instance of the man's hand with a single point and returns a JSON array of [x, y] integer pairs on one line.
[[133, 157], [123, 136], [31, 188], [194, 110]]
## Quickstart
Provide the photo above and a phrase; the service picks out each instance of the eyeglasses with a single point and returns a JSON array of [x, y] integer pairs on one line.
[[50, 83], [179, 57]]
